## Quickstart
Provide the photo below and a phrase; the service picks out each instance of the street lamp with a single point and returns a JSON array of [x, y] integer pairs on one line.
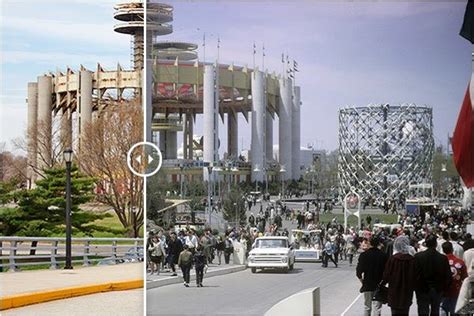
[[181, 167], [282, 171], [256, 170], [235, 209], [218, 169], [67, 154], [209, 207]]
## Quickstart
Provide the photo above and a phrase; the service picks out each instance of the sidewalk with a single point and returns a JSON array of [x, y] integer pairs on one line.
[[30, 287], [165, 277]]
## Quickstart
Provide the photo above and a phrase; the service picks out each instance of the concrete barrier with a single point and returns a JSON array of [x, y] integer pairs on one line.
[[304, 303]]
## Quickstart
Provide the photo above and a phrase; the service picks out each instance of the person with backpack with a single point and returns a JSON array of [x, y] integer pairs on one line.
[[185, 261]]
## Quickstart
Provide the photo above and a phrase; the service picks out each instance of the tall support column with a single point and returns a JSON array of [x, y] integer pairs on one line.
[[269, 137], [32, 132], [44, 126], [258, 125], [148, 100], [171, 145], [185, 136], [66, 129], [210, 117], [85, 103], [190, 135], [285, 129], [233, 135], [295, 133]]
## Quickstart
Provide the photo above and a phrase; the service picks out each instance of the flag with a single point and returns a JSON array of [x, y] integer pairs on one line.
[[282, 57], [263, 50], [254, 48], [176, 61], [204, 40], [463, 140], [467, 29], [295, 66], [218, 42]]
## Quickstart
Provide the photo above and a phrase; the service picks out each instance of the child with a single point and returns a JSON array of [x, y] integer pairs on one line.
[[184, 262], [200, 262]]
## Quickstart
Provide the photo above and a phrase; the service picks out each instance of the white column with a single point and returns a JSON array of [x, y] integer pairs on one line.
[[190, 135], [232, 137], [295, 133], [171, 145], [85, 103], [32, 132], [210, 117], [148, 94], [45, 88], [269, 137], [258, 125], [285, 129]]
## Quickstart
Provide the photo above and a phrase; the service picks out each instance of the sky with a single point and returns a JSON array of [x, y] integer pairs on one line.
[[42, 36], [349, 53]]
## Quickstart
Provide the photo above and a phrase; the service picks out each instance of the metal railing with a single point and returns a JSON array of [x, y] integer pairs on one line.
[[16, 252]]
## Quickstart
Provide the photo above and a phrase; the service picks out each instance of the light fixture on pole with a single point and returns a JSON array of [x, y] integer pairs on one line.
[[67, 155], [282, 171], [256, 171], [209, 204], [181, 167]]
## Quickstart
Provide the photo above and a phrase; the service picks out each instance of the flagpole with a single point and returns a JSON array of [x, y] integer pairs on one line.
[[263, 57], [254, 51], [204, 47]]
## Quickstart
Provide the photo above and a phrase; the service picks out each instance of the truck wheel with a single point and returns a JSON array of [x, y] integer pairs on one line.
[[254, 270], [285, 269]]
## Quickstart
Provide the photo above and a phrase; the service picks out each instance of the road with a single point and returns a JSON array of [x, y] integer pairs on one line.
[[126, 303], [244, 293]]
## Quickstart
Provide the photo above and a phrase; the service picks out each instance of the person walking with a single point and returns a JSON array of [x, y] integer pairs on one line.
[[200, 262], [459, 273], [228, 249], [220, 246], [435, 277], [174, 249], [369, 271], [400, 275], [157, 251], [185, 261], [329, 251]]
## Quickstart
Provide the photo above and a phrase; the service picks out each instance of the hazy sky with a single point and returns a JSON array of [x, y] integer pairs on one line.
[[348, 53]]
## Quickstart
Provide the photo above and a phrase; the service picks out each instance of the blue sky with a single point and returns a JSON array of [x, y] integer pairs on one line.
[[348, 53], [43, 36]]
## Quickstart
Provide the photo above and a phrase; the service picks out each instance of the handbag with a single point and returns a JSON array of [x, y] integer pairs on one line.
[[380, 294]]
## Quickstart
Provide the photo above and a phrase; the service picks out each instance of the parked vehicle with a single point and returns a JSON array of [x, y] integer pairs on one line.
[[271, 252]]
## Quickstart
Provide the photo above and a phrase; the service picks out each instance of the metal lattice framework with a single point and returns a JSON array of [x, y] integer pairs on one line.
[[384, 148]]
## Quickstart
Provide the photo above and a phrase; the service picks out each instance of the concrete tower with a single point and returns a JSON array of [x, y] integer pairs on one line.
[[295, 134], [32, 131], [258, 125], [210, 115], [285, 129]]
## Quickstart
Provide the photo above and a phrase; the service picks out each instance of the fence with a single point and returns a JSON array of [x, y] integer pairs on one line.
[[16, 252]]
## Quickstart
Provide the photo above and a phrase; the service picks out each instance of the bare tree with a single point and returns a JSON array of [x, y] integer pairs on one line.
[[103, 154]]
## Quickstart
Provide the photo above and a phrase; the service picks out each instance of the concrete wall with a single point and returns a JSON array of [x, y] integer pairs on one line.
[[304, 303]]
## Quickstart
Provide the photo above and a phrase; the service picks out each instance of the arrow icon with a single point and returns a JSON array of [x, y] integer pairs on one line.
[[139, 159], [150, 159]]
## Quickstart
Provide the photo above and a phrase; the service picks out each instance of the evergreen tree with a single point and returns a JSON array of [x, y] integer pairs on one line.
[[234, 206], [41, 211]]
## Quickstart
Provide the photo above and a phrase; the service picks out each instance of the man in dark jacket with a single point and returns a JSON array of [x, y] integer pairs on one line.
[[370, 271], [435, 277], [174, 249]]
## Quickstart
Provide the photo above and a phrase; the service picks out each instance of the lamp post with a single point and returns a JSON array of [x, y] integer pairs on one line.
[[67, 154], [235, 208], [282, 171], [218, 169], [443, 183], [256, 170], [209, 206], [181, 167]]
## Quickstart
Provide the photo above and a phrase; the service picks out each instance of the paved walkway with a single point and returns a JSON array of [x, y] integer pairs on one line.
[[14, 283]]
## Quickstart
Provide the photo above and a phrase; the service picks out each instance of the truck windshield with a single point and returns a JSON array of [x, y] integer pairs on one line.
[[272, 243]]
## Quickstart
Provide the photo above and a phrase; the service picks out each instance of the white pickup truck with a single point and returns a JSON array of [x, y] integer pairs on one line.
[[272, 252]]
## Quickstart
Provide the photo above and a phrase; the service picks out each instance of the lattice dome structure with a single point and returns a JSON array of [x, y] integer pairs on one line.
[[384, 148]]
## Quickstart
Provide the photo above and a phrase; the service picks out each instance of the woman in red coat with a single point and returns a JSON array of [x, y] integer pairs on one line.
[[400, 275]]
